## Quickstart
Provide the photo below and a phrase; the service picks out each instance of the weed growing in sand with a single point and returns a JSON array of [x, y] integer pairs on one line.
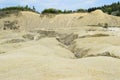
[[105, 25]]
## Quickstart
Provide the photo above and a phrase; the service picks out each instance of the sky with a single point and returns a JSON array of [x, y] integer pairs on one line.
[[58, 4]]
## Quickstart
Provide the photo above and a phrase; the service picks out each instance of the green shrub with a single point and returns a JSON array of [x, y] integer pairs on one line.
[[67, 11], [81, 10], [51, 10], [105, 25]]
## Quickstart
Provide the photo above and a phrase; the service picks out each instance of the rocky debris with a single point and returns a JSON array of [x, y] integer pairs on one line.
[[38, 34], [11, 25], [28, 36], [47, 33], [68, 39]]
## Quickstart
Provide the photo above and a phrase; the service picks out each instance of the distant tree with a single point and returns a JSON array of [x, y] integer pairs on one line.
[[118, 14], [26, 7], [67, 11], [34, 8], [51, 10], [81, 10], [18, 8], [108, 8]]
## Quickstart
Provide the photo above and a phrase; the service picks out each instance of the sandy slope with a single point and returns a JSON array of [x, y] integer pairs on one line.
[[51, 62], [96, 17], [96, 46], [30, 20], [49, 59]]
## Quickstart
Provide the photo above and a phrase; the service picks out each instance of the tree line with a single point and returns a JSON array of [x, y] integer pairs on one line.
[[58, 11], [113, 9]]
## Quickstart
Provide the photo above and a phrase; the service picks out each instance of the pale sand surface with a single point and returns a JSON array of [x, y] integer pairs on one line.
[[34, 53]]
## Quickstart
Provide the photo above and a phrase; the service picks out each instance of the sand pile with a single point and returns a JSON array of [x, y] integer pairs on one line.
[[97, 12], [96, 46], [29, 20], [98, 18]]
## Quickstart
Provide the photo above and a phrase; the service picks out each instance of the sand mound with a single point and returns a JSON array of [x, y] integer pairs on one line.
[[96, 46], [97, 12], [43, 47], [98, 18], [30, 20]]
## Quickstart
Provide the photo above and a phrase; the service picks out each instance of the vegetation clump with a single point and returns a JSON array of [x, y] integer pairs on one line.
[[5, 12], [19, 8], [113, 9], [51, 10], [105, 25], [57, 11]]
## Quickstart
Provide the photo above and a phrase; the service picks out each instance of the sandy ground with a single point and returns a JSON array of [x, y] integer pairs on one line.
[[31, 53]]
